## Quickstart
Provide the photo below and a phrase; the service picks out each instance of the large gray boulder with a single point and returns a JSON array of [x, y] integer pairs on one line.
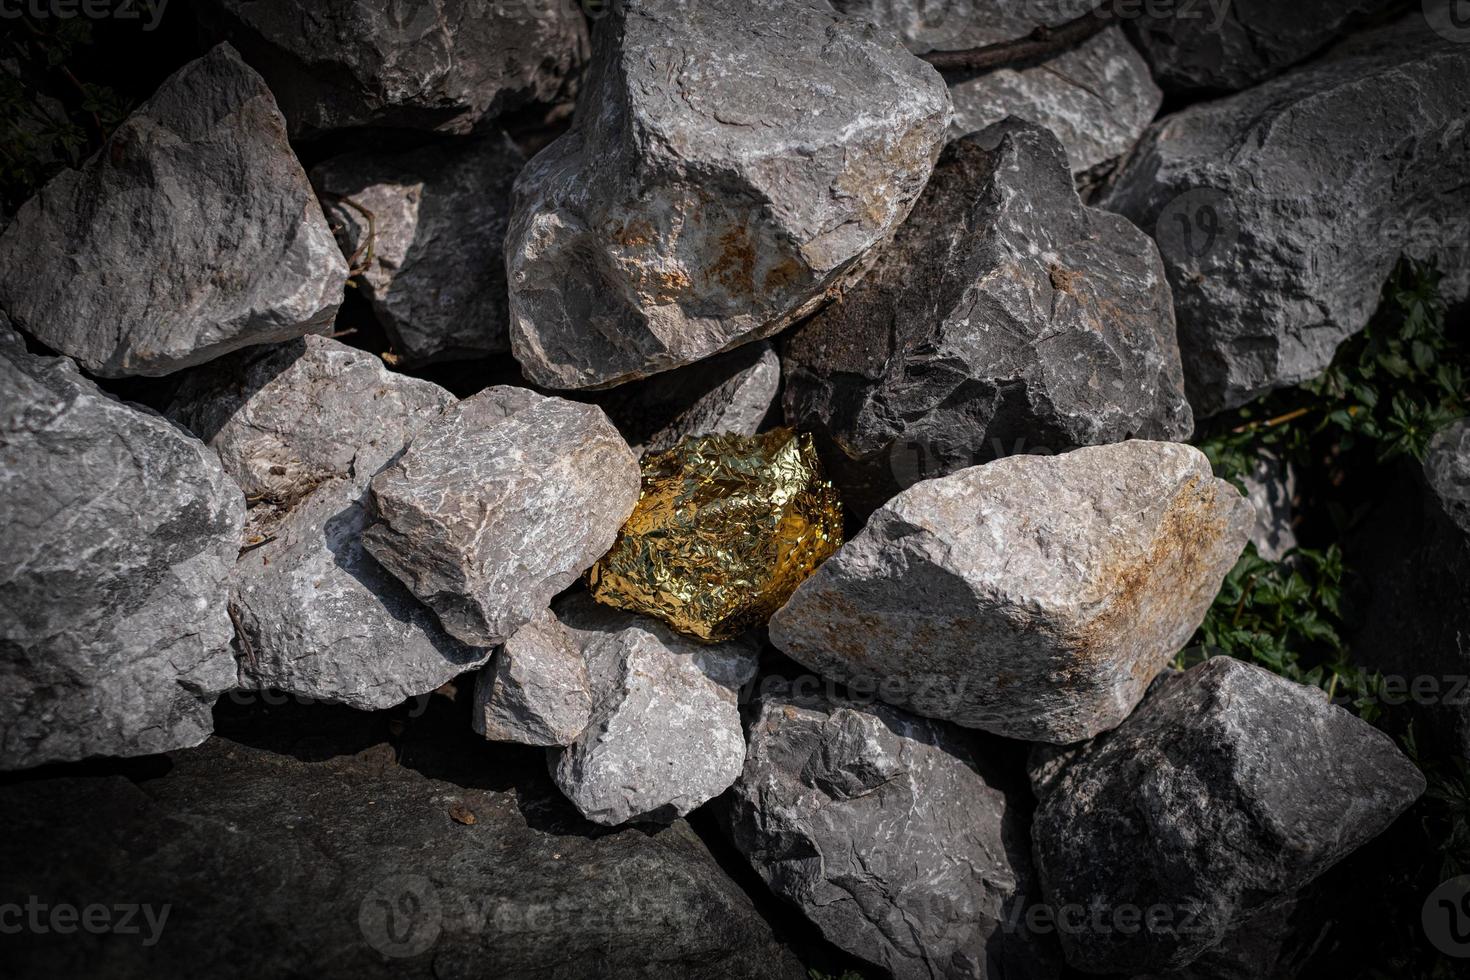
[[1281, 211], [1218, 47], [427, 64], [498, 505], [192, 233], [303, 427], [1034, 597], [893, 835], [321, 855], [664, 734], [1097, 97], [1226, 791], [730, 166], [1004, 312], [120, 531], [429, 227]]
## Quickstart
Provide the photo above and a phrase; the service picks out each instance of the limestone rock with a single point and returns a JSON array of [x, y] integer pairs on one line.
[[730, 166], [435, 64], [1097, 98], [1271, 489], [435, 272], [1034, 597], [537, 692], [892, 835], [1005, 313], [1224, 47], [499, 505], [664, 736], [120, 530], [1281, 211], [192, 233], [1228, 789]]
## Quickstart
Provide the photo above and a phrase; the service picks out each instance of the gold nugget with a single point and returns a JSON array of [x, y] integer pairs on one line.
[[725, 530]]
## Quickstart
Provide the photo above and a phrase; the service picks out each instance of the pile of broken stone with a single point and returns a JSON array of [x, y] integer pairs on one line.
[[304, 519]]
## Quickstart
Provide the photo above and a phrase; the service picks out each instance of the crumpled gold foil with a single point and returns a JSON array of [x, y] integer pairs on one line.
[[725, 530]]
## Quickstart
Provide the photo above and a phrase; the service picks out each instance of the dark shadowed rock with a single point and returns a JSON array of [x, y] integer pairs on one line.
[[664, 732], [435, 272], [889, 833], [1271, 489], [1005, 312], [120, 530], [427, 64], [537, 691], [192, 233], [1097, 97], [730, 166], [334, 860], [1281, 211], [498, 505], [1228, 45], [1034, 597], [1226, 791]]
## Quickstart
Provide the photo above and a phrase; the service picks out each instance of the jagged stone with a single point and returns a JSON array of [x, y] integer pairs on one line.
[[120, 531], [1271, 489], [1281, 211], [1034, 597], [1226, 791], [498, 505], [537, 692], [435, 64], [1004, 313], [891, 833], [730, 167], [434, 263], [191, 234]]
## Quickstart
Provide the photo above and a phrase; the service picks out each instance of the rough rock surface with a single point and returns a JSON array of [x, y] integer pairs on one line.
[[1280, 213], [1271, 489], [664, 736], [435, 275], [1416, 558], [120, 530], [1004, 312], [1034, 597], [537, 691], [1098, 98], [730, 166], [1228, 46], [192, 233], [739, 392], [1228, 789], [303, 427], [287, 418], [499, 505], [341, 861], [892, 835], [434, 64]]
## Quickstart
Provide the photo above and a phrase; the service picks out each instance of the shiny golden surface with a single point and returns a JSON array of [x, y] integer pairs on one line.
[[726, 528]]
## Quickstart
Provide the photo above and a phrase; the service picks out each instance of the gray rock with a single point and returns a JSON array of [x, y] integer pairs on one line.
[[1005, 313], [285, 419], [1447, 472], [730, 166], [1271, 489], [664, 735], [1034, 597], [537, 692], [317, 617], [1280, 212], [435, 64], [327, 858], [1097, 98], [433, 249], [192, 233], [892, 835], [120, 530], [1227, 790], [499, 505], [1228, 45]]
